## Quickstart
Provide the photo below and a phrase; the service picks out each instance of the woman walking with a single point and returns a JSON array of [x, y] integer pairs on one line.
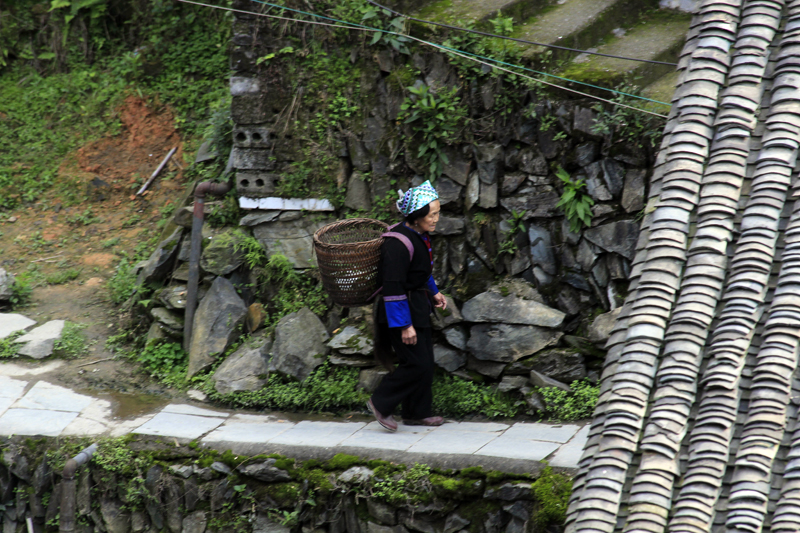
[[403, 313]]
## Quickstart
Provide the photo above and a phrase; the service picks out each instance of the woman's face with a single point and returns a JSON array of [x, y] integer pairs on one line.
[[428, 222]]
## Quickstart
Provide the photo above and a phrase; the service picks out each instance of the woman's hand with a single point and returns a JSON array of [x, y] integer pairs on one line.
[[440, 301], [409, 335]]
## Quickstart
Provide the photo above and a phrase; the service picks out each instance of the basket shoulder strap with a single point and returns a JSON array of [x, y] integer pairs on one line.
[[402, 238]]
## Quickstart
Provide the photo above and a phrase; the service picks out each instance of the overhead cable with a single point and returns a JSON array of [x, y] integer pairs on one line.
[[507, 38], [477, 59]]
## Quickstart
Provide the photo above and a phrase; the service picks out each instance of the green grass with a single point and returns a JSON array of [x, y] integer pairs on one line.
[[47, 114], [72, 343], [62, 276]]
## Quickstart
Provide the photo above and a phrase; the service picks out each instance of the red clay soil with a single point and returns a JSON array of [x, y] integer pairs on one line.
[[52, 235]]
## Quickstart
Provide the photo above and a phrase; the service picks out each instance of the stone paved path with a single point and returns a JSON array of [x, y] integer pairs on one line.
[[29, 406]]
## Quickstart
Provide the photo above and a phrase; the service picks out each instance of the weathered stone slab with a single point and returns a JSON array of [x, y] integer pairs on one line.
[[507, 342], [619, 237], [300, 344], [6, 285], [293, 239], [493, 307], [39, 342], [351, 341], [246, 368], [602, 325], [216, 324], [448, 358]]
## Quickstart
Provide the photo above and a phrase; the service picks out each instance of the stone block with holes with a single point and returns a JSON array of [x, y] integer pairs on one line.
[[252, 137], [255, 184]]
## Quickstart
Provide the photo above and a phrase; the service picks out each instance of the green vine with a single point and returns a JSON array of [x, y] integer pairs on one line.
[[435, 120], [576, 203]]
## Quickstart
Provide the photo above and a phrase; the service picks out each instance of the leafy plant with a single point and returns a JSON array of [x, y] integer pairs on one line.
[[72, 343], [21, 291], [328, 388], [291, 291], [122, 284], [254, 253], [227, 214], [403, 488], [516, 226], [435, 119], [162, 358], [628, 125], [456, 397], [564, 406], [575, 201], [9, 346], [396, 25]]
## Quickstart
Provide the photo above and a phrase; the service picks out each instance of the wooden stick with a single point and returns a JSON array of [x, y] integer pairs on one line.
[[153, 176], [46, 258], [94, 362]]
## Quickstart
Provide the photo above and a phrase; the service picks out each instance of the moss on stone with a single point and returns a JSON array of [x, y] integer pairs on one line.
[[456, 487], [283, 494], [342, 461]]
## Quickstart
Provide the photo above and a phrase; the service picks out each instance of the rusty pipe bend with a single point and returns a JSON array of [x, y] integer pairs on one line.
[[212, 188]]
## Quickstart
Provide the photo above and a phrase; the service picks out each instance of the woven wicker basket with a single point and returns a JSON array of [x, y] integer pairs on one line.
[[348, 253]]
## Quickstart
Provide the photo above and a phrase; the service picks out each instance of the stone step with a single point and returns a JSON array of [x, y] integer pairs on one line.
[[479, 12], [577, 24], [659, 37], [662, 90]]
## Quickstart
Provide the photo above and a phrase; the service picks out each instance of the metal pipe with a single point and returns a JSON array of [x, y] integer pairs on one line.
[[66, 521], [207, 187]]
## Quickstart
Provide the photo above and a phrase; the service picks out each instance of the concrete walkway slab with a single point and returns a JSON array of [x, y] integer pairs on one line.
[[570, 454], [179, 426], [236, 431], [374, 436], [11, 388], [50, 410], [309, 433], [512, 448], [546, 432], [45, 395], [35, 422], [452, 442]]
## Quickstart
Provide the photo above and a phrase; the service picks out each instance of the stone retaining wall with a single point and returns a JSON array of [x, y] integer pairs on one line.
[[145, 486]]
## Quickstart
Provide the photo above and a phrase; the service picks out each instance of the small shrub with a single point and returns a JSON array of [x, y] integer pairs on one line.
[[123, 283], [72, 343], [21, 291], [576, 404]]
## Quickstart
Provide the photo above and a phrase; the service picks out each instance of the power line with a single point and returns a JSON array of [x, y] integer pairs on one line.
[[353, 26], [507, 38], [454, 50]]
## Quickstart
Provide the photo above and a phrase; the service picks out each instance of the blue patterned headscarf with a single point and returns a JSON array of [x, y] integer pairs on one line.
[[416, 198]]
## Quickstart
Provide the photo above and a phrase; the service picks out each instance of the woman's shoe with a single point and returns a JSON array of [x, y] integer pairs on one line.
[[385, 421], [430, 421]]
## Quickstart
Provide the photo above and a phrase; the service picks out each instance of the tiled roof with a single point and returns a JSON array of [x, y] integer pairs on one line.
[[696, 430]]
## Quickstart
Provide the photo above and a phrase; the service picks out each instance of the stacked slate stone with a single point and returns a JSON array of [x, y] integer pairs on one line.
[[505, 336], [482, 185]]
